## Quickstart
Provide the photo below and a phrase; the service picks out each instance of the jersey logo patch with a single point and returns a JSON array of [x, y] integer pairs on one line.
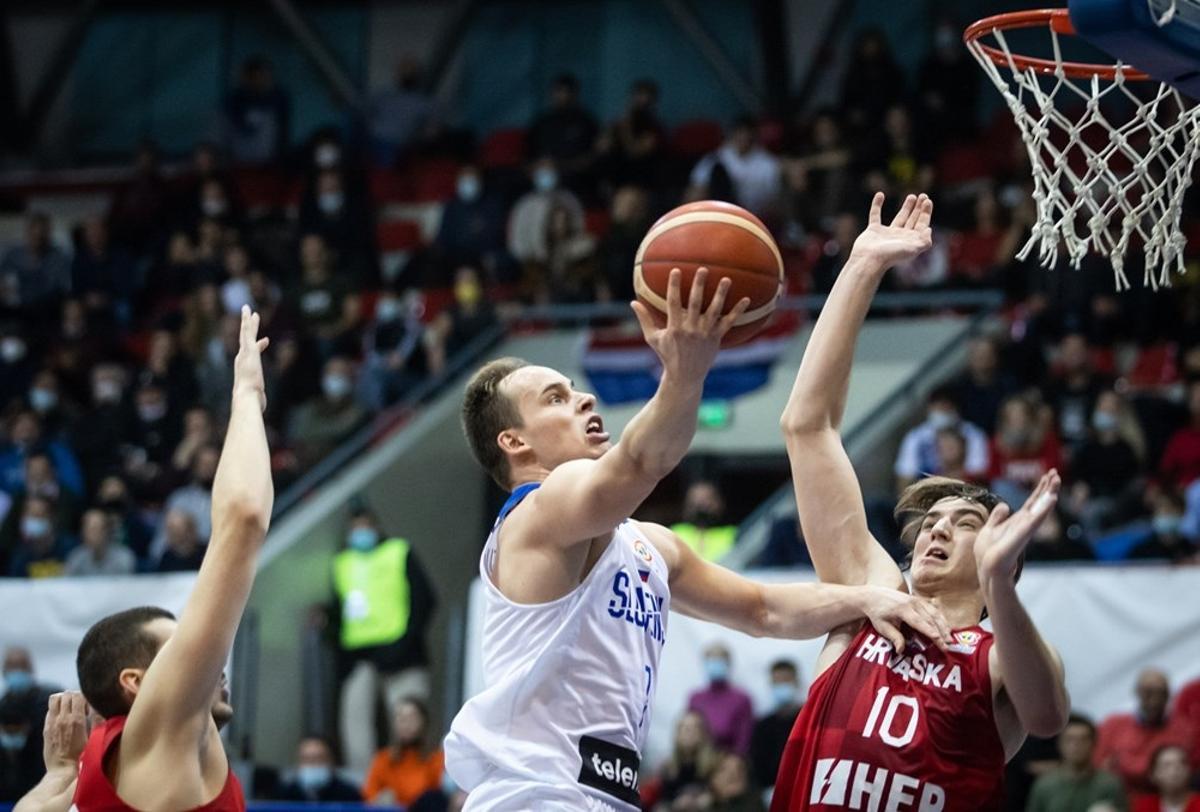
[[965, 642], [643, 551], [610, 768]]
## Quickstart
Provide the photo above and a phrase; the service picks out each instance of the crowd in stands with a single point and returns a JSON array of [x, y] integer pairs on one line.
[[116, 348]]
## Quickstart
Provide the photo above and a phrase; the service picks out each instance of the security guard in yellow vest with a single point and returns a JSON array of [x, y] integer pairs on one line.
[[702, 527], [383, 605]]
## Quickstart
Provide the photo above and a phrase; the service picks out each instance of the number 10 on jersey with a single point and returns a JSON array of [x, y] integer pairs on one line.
[[887, 726]]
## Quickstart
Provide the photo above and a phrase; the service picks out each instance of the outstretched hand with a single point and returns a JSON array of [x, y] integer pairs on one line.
[[689, 342], [1003, 538], [907, 237], [247, 366]]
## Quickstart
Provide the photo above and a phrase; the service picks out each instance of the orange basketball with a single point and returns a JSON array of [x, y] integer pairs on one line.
[[726, 239]]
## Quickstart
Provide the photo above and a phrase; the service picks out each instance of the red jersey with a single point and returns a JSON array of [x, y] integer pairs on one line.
[[905, 734], [95, 793]]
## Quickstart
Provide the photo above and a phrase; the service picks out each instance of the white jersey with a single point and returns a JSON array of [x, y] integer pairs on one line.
[[566, 709]]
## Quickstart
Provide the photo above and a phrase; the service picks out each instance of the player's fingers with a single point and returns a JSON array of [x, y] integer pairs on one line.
[[940, 622], [926, 214], [915, 215], [263, 343], [891, 633], [246, 334], [53, 708], [695, 308], [999, 513], [717, 305], [905, 209], [919, 620], [876, 215], [645, 320], [730, 319], [674, 297]]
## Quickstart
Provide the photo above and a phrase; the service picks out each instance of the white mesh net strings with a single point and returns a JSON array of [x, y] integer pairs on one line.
[[1096, 194]]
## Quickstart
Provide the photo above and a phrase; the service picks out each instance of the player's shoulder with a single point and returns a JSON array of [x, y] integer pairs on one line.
[[662, 538]]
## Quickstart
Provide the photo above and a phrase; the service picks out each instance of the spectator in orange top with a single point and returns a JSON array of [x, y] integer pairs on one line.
[[1128, 741], [1170, 774], [409, 768], [1181, 461]]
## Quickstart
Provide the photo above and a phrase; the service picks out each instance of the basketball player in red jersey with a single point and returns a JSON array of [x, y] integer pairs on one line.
[[157, 683], [921, 729]]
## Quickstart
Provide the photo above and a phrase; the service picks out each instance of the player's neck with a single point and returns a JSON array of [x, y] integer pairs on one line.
[[961, 609]]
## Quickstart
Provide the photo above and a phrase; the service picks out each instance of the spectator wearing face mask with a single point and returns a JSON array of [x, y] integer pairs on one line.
[[17, 366], [529, 227], [109, 421], [99, 553], [21, 766], [41, 549], [130, 529], [315, 779], [566, 133], [46, 397], [1171, 775], [1107, 467], [154, 434], [342, 217], [726, 708], [469, 316], [321, 424], [1167, 540], [704, 527], [21, 685], [394, 349], [918, 449], [772, 730], [41, 482], [384, 603], [472, 227]]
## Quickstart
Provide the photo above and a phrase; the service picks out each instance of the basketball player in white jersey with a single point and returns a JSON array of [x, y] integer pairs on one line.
[[578, 594]]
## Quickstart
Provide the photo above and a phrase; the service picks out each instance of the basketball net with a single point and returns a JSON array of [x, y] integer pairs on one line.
[[1108, 166]]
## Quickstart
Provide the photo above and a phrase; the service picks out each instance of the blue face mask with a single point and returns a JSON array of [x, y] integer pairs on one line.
[[545, 179], [313, 777], [362, 538], [1166, 524], [716, 668], [17, 681], [784, 694], [35, 527], [1104, 421], [469, 187], [13, 741]]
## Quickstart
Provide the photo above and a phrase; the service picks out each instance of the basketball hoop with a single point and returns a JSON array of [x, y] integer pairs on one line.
[[1108, 165]]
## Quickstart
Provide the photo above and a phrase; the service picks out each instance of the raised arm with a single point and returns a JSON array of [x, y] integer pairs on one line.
[[1025, 670], [582, 499], [176, 695], [708, 591], [828, 497]]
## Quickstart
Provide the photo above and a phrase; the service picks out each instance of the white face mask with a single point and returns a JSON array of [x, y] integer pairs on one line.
[[331, 202], [335, 387], [545, 179], [213, 206], [42, 400], [12, 349], [469, 187], [387, 309], [327, 155]]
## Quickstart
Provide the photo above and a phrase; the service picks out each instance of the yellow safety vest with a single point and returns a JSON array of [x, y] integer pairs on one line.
[[711, 543], [372, 587]]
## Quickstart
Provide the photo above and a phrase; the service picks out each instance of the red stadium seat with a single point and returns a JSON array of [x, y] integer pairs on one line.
[[434, 179], [597, 221], [697, 137], [259, 189], [503, 148], [389, 186], [1155, 366], [398, 235], [770, 133]]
